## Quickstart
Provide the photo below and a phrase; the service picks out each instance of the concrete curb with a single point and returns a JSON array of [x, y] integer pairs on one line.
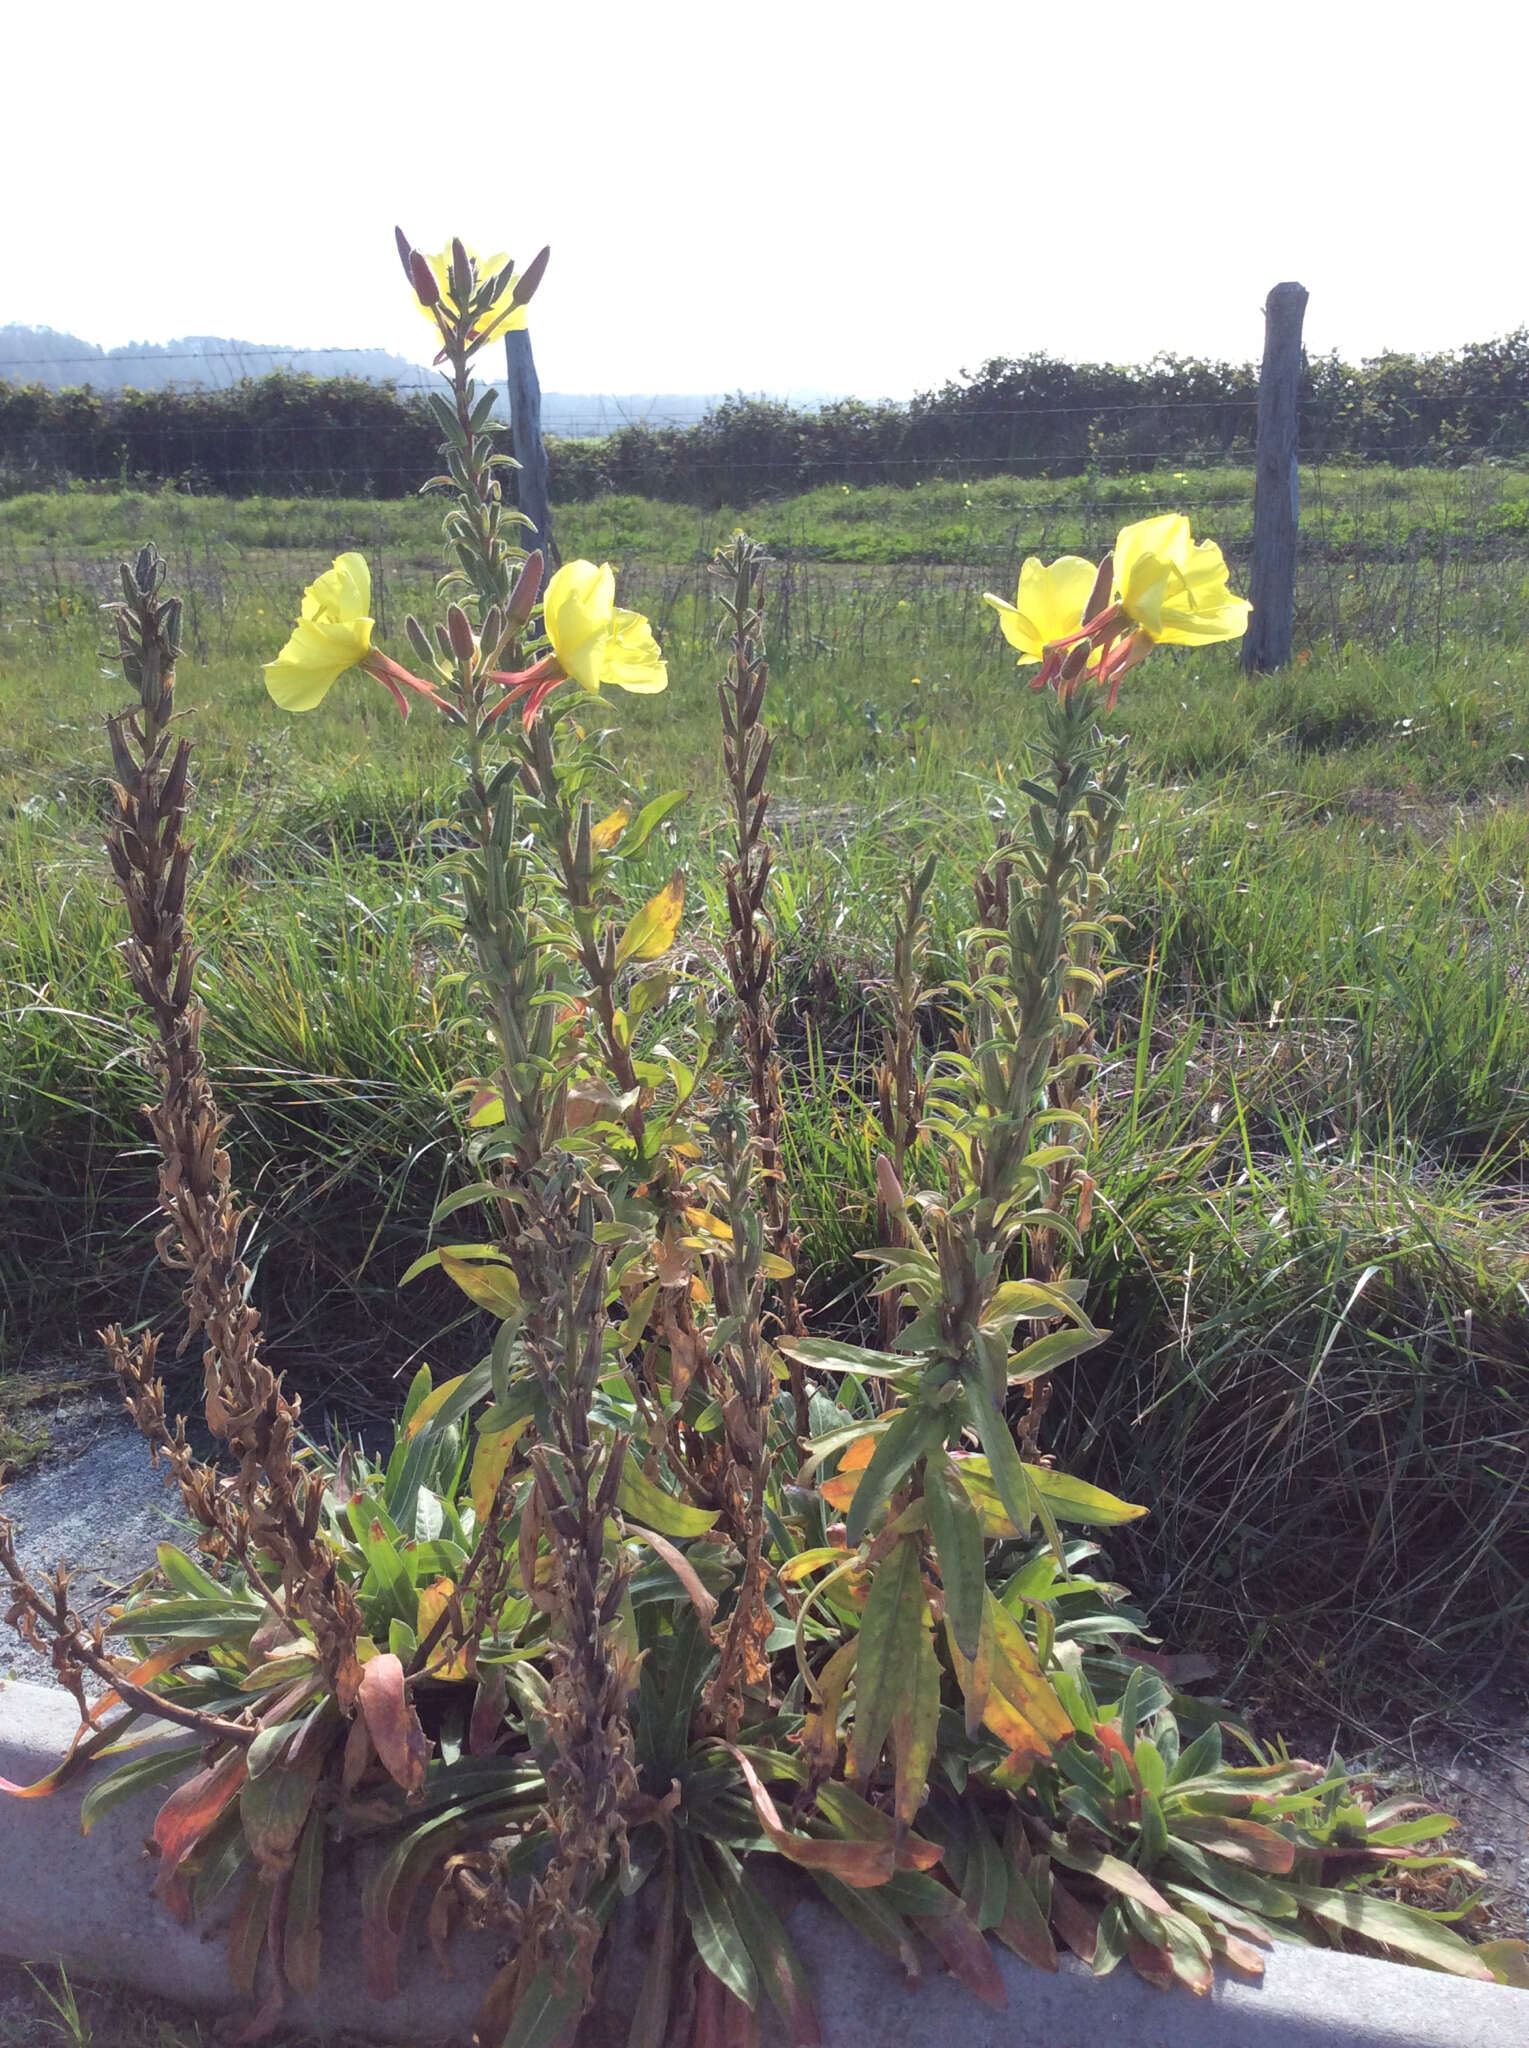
[[86, 1904]]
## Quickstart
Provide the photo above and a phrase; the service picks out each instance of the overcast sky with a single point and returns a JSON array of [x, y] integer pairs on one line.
[[806, 194]]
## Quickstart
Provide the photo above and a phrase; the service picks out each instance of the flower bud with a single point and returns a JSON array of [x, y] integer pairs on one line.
[[419, 639], [535, 270], [527, 588], [461, 271], [1099, 596], [463, 646], [405, 253], [422, 277]]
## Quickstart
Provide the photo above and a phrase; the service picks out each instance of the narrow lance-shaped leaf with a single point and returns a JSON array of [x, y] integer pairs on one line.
[[959, 1552], [914, 1431], [895, 1618], [915, 1726]]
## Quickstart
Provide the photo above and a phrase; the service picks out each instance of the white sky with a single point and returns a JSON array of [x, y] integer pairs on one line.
[[799, 194]]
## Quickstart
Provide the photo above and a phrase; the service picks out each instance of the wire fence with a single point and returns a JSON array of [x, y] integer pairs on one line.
[[295, 433]]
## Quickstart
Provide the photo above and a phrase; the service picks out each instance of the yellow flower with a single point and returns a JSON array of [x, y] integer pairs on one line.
[[1173, 588], [502, 315], [1048, 604], [333, 634], [593, 640]]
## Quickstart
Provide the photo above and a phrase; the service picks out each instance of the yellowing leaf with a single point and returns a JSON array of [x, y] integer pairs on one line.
[[651, 932], [805, 1563], [491, 1286], [1017, 1675], [703, 1219], [448, 1659], [859, 1454], [432, 1403], [486, 1107], [610, 828], [489, 1460], [648, 1504], [842, 1488]]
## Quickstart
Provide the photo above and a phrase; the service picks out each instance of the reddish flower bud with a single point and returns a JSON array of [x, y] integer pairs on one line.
[[462, 643], [422, 277], [527, 588], [405, 253], [1099, 596], [535, 270]]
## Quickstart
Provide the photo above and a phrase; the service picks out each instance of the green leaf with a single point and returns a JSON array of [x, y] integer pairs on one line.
[[546, 2009], [638, 1497], [1050, 1351], [448, 1402], [135, 1776], [186, 1576], [771, 1952], [1004, 1466], [715, 1932], [828, 1354], [302, 1946], [1241, 1886], [912, 1431], [1036, 1301], [419, 1392], [648, 819], [896, 1613], [388, 1583], [985, 1887], [1389, 1925], [959, 1551]]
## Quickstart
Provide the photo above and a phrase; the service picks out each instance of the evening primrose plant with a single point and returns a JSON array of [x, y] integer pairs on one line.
[[667, 1581]]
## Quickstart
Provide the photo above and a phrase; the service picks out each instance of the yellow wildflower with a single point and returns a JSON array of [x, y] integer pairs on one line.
[[502, 315], [333, 634], [593, 640], [1173, 588], [1048, 604]]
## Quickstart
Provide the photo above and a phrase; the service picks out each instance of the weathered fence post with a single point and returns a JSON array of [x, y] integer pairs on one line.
[[525, 395], [1277, 486]]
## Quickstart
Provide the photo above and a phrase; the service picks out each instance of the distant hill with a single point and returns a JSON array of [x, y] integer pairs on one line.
[[41, 355]]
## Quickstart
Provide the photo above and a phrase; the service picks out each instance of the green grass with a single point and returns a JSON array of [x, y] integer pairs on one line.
[[1310, 1238]]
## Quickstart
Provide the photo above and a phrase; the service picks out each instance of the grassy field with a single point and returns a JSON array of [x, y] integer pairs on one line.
[[1311, 1241]]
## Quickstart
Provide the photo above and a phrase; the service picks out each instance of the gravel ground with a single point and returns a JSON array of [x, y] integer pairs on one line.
[[95, 1501]]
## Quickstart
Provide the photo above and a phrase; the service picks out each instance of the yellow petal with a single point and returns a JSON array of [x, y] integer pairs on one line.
[[1175, 589], [631, 660], [578, 611], [318, 652], [343, 593], [502, 315], [1048, 604]]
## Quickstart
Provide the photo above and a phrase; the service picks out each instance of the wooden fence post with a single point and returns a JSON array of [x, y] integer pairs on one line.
[[1277, 485], [525, 396]]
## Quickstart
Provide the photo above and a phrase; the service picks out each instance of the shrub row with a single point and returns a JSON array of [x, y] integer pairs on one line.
[[343, 436]]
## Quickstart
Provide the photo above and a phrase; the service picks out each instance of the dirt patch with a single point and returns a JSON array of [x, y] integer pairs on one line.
[[1474, 1766]]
